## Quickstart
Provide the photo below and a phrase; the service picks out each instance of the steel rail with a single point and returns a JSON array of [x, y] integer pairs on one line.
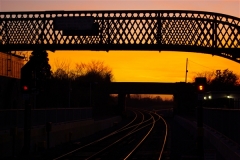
[[165, 138], [91, 143], [136, 129], [122, 138], [153, 124], [119, 140], [129, 133]]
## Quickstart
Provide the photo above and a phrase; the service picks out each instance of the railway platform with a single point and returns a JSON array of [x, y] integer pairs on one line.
[[184, 147]]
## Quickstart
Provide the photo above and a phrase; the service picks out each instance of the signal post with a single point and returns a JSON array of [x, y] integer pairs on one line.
[[26, 87], [200, 84]]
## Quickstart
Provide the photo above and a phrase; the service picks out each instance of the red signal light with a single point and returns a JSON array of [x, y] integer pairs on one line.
[[25, 88]]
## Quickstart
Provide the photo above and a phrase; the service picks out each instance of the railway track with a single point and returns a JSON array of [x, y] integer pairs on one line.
[[132, 141]]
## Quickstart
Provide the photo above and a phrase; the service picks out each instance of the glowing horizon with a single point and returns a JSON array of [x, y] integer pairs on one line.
[[149, 66]]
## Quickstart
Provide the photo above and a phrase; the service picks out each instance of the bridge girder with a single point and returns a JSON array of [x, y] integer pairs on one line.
[[159, 30], [149, 88]]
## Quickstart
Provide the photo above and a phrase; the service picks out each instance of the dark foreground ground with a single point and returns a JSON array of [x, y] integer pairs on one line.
[[183, 144]]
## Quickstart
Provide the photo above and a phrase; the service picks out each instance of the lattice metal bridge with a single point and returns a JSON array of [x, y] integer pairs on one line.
[[161, 30]]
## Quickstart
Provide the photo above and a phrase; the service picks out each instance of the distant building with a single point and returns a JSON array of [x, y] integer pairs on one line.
[[222, 99], [10, 65]]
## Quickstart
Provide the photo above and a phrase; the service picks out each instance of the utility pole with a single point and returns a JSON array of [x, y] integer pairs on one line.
[[186, 70]]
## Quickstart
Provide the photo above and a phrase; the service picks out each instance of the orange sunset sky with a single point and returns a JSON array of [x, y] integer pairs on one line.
[[136, 66]]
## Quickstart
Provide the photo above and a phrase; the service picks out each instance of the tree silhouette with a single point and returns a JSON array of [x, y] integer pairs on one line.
[[60, 74], [42, 69], [225, 80], [85, 86], [221, 80], [210, 75], [94, 70]]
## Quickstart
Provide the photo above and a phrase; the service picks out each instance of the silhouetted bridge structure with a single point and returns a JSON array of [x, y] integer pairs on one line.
[[168, 30], [183, 92], [149, 87]]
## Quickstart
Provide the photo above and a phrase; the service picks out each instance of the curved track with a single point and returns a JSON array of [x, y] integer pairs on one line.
[[126, 142]]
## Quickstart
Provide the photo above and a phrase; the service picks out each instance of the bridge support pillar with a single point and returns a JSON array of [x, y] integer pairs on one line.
[[121, 103]]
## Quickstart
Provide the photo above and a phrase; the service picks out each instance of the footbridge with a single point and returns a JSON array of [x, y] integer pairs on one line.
[[155, 30]]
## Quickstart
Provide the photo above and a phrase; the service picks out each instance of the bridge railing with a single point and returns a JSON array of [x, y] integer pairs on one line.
[[117, 30]]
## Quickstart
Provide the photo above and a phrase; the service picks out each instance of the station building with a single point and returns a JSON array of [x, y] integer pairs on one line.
[[10, 74], [11, 64]]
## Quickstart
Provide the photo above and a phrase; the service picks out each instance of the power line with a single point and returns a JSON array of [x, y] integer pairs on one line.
[[201, 65]]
